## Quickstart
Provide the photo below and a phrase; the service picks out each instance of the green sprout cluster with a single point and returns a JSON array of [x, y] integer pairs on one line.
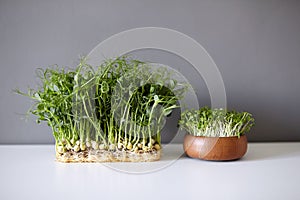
[[119, 105], [216, 122]]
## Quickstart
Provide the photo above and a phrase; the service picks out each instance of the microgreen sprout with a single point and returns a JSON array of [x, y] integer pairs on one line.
[[216, 122]]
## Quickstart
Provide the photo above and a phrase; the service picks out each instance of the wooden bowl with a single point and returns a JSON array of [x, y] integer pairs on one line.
[[215, 148]]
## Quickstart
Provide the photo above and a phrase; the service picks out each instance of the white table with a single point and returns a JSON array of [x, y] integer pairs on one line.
[[268, 171]]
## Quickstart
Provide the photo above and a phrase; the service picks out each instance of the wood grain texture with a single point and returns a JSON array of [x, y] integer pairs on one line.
[[215, 148]]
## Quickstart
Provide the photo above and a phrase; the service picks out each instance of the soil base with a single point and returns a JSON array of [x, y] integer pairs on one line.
[[91, 155]]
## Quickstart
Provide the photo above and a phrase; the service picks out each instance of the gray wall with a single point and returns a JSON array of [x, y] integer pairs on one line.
[[255, 43]]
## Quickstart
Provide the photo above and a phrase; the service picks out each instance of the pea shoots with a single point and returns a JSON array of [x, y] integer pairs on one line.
[[113, 112]]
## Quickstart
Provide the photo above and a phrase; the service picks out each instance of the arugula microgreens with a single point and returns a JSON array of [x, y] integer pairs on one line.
[[216, 122]]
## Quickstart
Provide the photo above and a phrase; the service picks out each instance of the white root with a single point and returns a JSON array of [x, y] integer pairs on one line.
[[60, 149], [101, 146], [112, 147], [95, 145], [120, 145], [88, 144]]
